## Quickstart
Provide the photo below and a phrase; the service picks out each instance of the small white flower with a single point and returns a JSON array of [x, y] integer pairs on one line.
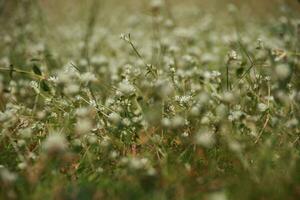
[[232, 55], [88, 77], [195, 111], [22, 165], [126, 88], [83, 126], [262, 107], [185, 134], [156, 4], [205, 139], [235, 115], [166, 122], [151, 171], [126, 122], [7, 176], [53, 79], [25, 133], [71, 88], [177, 121], [92, 139], [282, 71], [228, 97], [114, 117], [55, 143]]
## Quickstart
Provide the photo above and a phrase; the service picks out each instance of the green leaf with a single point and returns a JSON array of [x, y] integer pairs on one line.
[[239, 71], [45, 86], [36, 70]]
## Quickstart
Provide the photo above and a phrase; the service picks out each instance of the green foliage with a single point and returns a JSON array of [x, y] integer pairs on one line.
[[183, 107]]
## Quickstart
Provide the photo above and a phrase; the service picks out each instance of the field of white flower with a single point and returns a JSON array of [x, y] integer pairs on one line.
[[149, 100]]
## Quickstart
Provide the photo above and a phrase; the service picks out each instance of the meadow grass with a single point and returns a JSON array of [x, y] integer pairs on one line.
[[165, 101]]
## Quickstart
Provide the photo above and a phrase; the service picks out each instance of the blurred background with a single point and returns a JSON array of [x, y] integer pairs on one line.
[[57, 24], [68, 9]]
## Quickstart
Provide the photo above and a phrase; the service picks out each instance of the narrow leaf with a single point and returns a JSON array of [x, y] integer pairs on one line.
[[36, 70]]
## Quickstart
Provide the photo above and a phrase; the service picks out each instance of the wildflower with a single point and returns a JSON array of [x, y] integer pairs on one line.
[[260, 44], [205, 139], [185, 134], [195, 111], [92, 139], [26, 133], [88, 77], [228, 97], [82, 112], [232, 55], [126, 122], [166, 122], [218, 196], [53, 79], [83, 126], [71, 88], [235, 115], [99, 60], [114, 117], [205, 120], [262, 107], [55, 143], [177, 121], [151, 171], [7, 176], [292, 123], [35, 86], [156, 5], [22, 165], [282, 71], [100, 170], [235, 146], [126, 88]]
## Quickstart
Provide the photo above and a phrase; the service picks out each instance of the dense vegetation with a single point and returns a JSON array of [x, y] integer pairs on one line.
[[171, 102]]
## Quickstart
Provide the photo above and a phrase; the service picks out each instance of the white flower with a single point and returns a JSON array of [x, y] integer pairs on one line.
[[177, 121], [183, 100], [282, 71], [7, 176], [53, 79], [151, 171], [292, 123], [235, 115], [92, 139], [126, 122], [55, 143], [126, 88], [83, 111], [22, 165], [235, 146], [25, 133], [88, 77], [83, 126], [205, 139], [156, 4], [166, 122], [114, 117], [195, 111], [218, 196], [228, 97], [71, 88], [232, 55], [34, 85], [262, 107], [185, 134], [98, 60]]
